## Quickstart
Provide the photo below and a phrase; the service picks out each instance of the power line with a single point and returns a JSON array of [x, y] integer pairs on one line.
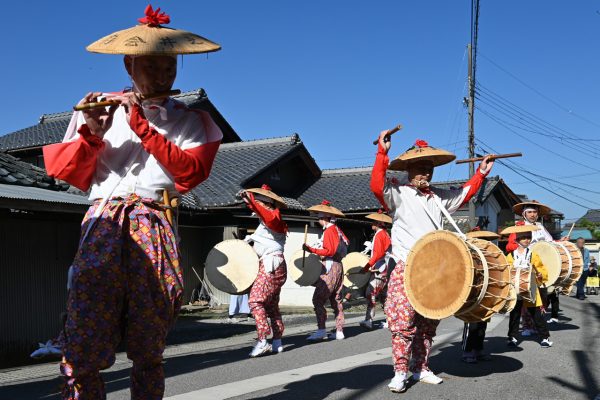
[[565, 109]]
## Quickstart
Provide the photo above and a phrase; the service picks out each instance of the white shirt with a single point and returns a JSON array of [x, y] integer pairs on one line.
[[123, 166], [410, 220], [268, 245], [540, 234]]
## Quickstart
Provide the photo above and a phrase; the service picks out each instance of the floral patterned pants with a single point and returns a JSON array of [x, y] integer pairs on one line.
[[375, 290], [126, 280], [264, 301], [328, 287], [412, 334]]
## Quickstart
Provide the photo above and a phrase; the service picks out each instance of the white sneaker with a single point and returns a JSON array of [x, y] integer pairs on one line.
[[426, 376], [384, 325], [398, 383], [527, 332], [552, 320], [260, 348], [546, 343], [366, 324], [320, 334], [339, 335], [277, 346]]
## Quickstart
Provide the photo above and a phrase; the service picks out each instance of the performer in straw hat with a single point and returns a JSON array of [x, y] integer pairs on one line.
[[523, 257], [416, 209], [377, 265], [332, 247], [268, 241], [126, 273], [474, 332]]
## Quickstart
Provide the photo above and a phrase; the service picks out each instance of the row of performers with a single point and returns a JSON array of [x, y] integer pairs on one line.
[[416, 208]]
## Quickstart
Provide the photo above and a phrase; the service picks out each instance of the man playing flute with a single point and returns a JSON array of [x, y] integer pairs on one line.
[[126, 273]]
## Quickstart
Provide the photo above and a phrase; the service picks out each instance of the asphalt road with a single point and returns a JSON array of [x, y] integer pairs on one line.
[[359, 367]]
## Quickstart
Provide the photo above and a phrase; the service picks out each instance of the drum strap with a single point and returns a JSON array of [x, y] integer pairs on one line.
[[444, 211]]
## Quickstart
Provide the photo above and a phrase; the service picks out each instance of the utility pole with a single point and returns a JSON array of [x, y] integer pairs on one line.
[[471, 104]]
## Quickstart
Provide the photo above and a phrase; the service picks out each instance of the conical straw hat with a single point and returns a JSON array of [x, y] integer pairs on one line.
[[519, 229], [487, 235], [421, 151], [326, 208], [380, 216], [266, 191], [542, 209], [151, 38]]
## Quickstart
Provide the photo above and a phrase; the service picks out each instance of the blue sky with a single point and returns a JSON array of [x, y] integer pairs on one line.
[[337, 72]]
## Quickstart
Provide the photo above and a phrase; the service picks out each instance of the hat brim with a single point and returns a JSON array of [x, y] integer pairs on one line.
[[487, 235], [267, 193], [542, 209], [519, 229], [436, 156], [152, 41], [380, 218], [321, 208]]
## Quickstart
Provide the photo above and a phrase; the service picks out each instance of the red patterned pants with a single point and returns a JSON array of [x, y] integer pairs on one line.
[[264, 301], [375, 290], [412, 334], [328, 287], [126, 278]]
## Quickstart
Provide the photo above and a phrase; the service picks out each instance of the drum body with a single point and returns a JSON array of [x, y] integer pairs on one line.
[[575, 266], [525, 284], [305, 273], [511, 302], [354, 277], [446, 275], [232, 266]]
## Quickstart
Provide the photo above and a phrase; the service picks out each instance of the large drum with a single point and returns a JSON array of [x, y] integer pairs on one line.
[[354, 277], [511, 302], [525, 283], [232, 266], [446, 275], [307, 273], [563, 261]]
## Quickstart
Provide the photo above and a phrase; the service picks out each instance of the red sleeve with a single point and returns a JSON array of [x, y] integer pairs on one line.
[[74, 162], [382, 243], [188, 167], [331, 241], [378, 175], [473, 185], [271, 218]]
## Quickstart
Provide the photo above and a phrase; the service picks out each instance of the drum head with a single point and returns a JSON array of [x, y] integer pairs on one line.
[[353, 264], [551, 259], [438, 275], [308, 274], [232, 266]]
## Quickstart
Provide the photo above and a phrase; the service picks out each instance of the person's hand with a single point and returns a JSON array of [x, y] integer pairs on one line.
[[128, 100], [366, 268], [387, 143], [486, 164], [99, 120], [305, 247], [565, 238]]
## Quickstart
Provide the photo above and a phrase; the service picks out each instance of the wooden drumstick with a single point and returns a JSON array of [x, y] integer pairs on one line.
[[167, 203], [571, 230], [304, 251], [493, 157], [390, 132]]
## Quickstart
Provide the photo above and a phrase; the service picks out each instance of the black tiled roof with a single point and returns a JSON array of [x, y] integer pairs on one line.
[[235, 164], [591, 216], [349, 189], [15, 172], [51, 127]]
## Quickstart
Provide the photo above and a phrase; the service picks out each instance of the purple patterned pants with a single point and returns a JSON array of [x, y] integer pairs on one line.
[[126, 280]]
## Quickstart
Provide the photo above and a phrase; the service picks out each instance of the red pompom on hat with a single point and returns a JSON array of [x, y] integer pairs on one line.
[[154, 17], [325, 202], [421, 143], [266, 187]]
